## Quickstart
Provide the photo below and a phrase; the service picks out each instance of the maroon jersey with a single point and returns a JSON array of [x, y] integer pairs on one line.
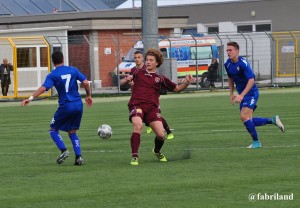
[[146, 87]]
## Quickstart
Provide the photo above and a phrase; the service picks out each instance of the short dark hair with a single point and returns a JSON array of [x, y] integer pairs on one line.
[[157, 54], [234, 44], [138, 52], [57, 57]]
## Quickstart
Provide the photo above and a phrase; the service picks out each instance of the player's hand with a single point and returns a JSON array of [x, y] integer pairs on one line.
[[189, 78], [238, 99], [232, 97], [25, 102], [129, 78], [131, 83], [89, 101]]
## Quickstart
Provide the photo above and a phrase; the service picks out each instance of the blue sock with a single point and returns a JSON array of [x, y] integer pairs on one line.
[[251, 129], [76, 144], [262, 121], [57, 140]]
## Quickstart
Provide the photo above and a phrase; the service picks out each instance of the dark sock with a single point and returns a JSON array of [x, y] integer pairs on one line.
[[262, 121], [251, 129], [159, 142], [135, 143], [166, 126], [64, 149]]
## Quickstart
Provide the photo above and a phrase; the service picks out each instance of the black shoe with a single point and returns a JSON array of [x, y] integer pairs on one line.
[[62, 157], [78, 161]]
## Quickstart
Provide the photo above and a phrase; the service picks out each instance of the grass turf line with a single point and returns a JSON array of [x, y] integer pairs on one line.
[[207, 166]]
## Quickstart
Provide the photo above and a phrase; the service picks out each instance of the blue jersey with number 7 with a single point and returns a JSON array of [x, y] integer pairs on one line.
[[64, 79]]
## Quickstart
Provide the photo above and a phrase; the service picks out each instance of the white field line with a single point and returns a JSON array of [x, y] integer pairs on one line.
[[169, 96], [184, 149]]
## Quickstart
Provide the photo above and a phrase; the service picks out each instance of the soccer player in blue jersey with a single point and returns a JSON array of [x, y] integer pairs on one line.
[[68, 116], [240, 73]]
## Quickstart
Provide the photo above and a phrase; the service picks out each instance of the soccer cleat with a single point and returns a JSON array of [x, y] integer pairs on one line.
[[149, 130], [170, 136], [78, 161], [254, 145], [134, 161], [160, 156], [278, 123], [62, 157]]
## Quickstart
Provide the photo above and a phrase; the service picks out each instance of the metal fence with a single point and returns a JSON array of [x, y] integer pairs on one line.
[[105, 57], [273, 57]]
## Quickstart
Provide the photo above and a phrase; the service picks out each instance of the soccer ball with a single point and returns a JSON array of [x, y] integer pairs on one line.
[[104, 131]]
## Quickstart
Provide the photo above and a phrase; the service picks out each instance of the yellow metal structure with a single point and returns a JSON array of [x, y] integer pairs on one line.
[[287, 50], [22, 42]]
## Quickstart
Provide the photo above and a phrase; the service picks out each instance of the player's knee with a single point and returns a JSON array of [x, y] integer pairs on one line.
[[244, 117], [160, 135], [50, 130], [72, 132], [137, 128]]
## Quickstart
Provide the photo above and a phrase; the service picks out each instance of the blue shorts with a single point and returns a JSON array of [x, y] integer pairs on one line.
[[250, 100], [68, 116]]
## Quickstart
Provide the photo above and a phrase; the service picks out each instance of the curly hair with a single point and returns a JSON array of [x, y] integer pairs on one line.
[[157, 54]]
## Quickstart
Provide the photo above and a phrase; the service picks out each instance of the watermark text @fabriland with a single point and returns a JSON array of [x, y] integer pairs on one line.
[[270, 197]]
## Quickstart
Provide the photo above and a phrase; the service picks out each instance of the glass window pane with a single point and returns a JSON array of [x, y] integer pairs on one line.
[[213, 30], [61, 5], [44, 57], [44, 6], [56, 49], [3, 11], [263, 27], [164, 52], [83, 5], [101, 5], [30, 7], [15, 8], [26, 57], [203, 52], [244, 28]]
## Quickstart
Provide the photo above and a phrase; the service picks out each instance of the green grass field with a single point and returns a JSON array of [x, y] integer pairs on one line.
[[208, 165]]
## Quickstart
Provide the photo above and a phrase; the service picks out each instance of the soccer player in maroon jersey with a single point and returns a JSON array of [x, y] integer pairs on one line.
[[144, 102], [139, 61]]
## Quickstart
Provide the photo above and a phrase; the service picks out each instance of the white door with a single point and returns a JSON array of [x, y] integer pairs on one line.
[[32, 66]]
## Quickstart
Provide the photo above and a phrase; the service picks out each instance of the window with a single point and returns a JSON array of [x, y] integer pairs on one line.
[[244, 28], [212, 30], [164, 52], [189, 31], [75, 37], [203, 52], [44, 57], [263, 27], [56, 49], [26, 57]]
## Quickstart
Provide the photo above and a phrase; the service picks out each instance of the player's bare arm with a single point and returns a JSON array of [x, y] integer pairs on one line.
[[126, 80], [39, 91], [231, 90], [88, 99], [188, 80], [248, 87]]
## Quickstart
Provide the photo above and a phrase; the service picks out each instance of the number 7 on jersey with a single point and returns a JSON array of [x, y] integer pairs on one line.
[[68, 78]]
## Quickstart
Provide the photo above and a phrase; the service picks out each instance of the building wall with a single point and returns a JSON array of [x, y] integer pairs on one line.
[[79, 52], [119, 42], [283, 14]]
